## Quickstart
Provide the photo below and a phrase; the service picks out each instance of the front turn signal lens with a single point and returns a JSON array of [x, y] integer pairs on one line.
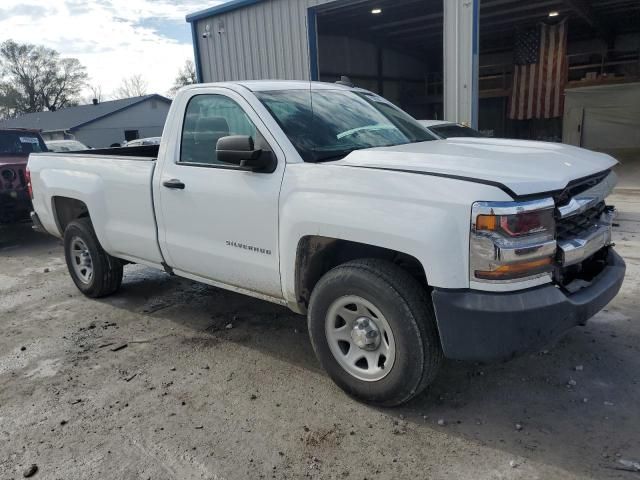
[[488, 223], [517, 270]]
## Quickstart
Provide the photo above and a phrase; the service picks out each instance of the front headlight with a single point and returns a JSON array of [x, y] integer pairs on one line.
[[512, 241]]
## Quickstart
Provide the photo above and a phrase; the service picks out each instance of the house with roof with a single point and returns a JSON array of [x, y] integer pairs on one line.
[[100, 124]]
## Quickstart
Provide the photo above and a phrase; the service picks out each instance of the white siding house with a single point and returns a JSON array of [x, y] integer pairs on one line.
[[101, 124]]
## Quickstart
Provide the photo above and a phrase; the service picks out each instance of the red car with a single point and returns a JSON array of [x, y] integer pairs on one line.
[[15, 147]]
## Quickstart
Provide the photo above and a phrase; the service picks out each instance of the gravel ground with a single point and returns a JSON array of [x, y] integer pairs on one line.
[[170, 379]]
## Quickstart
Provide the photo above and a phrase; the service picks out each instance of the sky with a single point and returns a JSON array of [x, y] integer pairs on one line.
[[114, 39]]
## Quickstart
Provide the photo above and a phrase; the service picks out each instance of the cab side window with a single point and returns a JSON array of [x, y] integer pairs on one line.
[[209, 118]]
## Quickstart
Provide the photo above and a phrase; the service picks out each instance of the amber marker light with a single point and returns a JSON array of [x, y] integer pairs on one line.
[[516, 270]]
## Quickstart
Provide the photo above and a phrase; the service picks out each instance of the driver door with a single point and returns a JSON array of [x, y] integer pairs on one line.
[[217, 221]]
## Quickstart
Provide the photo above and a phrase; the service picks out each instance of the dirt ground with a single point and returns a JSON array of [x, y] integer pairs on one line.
[[213, 385]]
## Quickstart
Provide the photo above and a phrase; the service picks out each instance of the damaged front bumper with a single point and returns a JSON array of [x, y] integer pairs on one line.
[[489, 326]]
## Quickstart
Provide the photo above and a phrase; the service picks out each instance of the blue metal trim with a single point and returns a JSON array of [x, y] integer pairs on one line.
[[219, 9], [101, 117], [196, 51], [312, 29], [475, 73]]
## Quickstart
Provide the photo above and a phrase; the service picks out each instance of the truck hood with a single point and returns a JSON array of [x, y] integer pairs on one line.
[[524, 167]]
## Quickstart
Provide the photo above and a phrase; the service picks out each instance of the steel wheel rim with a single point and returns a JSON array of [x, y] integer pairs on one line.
[[343, 327], [81, 260]]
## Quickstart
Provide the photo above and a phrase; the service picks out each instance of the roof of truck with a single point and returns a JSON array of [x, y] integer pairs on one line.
[[267, 85], [271, 85]]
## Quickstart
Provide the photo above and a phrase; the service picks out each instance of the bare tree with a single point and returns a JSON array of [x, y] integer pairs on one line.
[[133, 86], [33, 78], [186, 76], [96, 93], [69, 78], [9, 98]]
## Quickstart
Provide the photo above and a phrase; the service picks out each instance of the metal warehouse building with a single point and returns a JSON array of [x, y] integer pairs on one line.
[[505, 66], [324, 39]]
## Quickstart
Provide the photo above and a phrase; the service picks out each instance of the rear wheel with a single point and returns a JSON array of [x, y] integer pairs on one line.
[[373, 329], [94, 271]]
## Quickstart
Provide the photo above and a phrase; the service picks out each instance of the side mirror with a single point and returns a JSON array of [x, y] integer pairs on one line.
[[240, 150]]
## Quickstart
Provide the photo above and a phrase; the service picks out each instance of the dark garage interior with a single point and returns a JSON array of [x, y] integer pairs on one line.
[[395, 47]]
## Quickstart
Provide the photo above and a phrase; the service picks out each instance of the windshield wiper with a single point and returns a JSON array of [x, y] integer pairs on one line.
[[335, 156], [341, 155]]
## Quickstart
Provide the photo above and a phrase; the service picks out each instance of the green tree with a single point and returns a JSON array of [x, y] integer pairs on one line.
[[34, 78]]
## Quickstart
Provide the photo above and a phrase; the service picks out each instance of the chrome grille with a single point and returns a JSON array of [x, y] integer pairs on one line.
[[578, 225], [577, 187]]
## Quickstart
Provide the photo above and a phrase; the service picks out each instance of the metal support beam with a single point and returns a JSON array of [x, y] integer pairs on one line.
[[461, 37], [380, 69], [196, 52]]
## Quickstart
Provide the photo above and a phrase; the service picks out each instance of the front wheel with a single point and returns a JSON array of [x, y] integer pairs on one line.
[[373, 330], [94, 271]]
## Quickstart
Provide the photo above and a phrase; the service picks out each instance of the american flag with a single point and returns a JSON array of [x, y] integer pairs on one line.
[[540, 72]]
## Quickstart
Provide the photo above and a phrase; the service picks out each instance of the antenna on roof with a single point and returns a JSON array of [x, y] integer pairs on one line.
[[346, 81]]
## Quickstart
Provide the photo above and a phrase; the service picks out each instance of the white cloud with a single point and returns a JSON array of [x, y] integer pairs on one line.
[[112, 38]]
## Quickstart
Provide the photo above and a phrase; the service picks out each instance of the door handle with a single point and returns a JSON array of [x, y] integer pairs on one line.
[[174, 183]]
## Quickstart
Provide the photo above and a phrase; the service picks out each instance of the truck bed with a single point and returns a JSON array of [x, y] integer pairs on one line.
[[115, 187]]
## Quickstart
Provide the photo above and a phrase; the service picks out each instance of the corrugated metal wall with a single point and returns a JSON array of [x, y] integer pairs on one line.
[[267, 40]]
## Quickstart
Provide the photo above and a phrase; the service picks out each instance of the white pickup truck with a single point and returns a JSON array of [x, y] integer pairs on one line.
[[402, 249]]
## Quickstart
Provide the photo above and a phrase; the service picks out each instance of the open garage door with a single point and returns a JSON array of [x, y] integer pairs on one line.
[[530, 54], [392, 47]]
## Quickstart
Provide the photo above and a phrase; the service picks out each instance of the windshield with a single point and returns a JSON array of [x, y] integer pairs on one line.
[[20, 143], [454, 130], [329, 124]]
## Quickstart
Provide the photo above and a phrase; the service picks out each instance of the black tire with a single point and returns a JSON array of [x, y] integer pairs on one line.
[[408, 311], [107, 270]]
